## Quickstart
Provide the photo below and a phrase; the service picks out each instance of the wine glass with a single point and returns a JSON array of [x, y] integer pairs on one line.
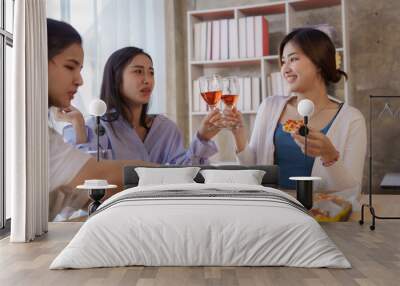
[[211, 90], [230, 94]]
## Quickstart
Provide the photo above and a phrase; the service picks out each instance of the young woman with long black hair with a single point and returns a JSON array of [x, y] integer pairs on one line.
[[130, 132]]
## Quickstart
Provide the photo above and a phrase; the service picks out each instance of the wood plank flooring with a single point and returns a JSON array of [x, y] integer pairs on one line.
[[374, 255]]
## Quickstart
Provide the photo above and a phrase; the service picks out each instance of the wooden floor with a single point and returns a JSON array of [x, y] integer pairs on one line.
[[374, 255]]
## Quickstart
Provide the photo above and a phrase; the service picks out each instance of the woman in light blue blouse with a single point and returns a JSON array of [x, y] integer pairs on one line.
[[130, 133]]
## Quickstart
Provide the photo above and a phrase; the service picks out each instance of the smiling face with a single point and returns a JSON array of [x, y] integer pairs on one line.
[[298, 70], [64, 73], [138, 80]]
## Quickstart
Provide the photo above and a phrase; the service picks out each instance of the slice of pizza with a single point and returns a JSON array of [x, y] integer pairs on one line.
[[291, 125]]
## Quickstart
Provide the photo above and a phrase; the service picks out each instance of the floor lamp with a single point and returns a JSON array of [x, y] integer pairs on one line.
[[98, 108], [304, 185], [97, 188]]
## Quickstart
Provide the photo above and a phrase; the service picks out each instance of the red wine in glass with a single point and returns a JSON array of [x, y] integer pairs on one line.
[[212, 97], [230, 96], [211, 90], [230, 100]]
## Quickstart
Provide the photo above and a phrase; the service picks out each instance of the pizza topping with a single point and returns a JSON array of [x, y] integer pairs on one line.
[[291, 126]]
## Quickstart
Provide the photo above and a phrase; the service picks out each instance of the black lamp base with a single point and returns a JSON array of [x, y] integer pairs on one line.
[[303, 130], [304, 190], [95, 195], [304, 193]]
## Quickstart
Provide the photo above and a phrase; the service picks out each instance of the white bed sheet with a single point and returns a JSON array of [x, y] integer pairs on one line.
[[200, 231]]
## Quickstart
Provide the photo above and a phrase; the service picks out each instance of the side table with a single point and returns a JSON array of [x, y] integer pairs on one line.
[[97, 190]]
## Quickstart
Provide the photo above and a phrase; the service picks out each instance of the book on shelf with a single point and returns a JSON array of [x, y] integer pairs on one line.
[[240, 102], [233, 39], [247, 94], [216, 40], [269, 86], [242, 38], [197, 41], [250, 37], [261, 31], [209, 41], [203, 42], [277, 84], [255, 93], [198, 104], [224, 39]]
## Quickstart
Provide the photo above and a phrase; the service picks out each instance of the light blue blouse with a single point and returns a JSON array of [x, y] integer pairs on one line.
[[163, 143]]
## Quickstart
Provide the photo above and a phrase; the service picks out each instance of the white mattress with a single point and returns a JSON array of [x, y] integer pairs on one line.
[[183, 231]]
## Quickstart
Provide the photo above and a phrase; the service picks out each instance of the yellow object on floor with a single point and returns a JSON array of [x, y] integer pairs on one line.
[[330, 208]]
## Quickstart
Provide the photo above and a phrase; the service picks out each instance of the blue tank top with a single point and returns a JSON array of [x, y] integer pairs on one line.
[[289, 157]]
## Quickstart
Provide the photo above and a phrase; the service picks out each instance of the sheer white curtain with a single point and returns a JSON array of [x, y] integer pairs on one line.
[[27, 134], [108, 25]]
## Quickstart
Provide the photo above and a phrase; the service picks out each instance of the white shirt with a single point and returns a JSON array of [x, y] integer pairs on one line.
[[348, 133], [65, 161]]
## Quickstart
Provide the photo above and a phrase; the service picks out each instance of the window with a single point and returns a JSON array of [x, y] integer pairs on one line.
[[9, 15], [6, 43], [108, 25]]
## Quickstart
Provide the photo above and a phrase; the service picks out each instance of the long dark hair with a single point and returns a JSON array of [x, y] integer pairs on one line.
[[318, 47], [60, 35], [112, 83]]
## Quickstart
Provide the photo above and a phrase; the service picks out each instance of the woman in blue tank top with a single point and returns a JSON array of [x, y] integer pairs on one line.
[[308, 66], [290, 157]]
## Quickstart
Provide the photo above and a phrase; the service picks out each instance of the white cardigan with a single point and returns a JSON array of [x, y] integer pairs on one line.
[[348, 133]]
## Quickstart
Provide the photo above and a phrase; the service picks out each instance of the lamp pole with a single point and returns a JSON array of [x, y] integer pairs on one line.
[[304, 185], [305, 108], [98, 108]]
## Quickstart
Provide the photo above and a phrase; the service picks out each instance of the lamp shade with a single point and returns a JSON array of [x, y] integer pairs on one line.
[[305, 107], [97, 107]]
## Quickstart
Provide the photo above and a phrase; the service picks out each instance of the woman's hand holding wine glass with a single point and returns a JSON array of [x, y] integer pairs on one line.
[[210, 125], [234, 119], [230, 96], [211, 90]]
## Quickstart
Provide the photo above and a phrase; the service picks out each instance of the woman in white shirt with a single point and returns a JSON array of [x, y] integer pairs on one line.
[[336, 144], [69, 167]]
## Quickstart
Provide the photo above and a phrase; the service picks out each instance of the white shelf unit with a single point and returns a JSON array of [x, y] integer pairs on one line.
[[283, 17]]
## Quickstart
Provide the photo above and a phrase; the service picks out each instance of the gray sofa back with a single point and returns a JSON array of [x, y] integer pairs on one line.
[[270, 179]]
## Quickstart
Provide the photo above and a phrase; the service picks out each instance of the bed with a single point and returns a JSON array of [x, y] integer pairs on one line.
[[201, 224]]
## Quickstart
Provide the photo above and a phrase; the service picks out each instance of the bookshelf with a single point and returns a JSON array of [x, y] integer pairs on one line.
[[282, 17]]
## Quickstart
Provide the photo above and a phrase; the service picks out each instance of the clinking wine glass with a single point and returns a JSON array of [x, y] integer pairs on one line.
[[211, 90], [230, 95]]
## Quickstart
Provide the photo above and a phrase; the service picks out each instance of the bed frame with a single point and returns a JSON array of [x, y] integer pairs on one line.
[[270, 179]]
